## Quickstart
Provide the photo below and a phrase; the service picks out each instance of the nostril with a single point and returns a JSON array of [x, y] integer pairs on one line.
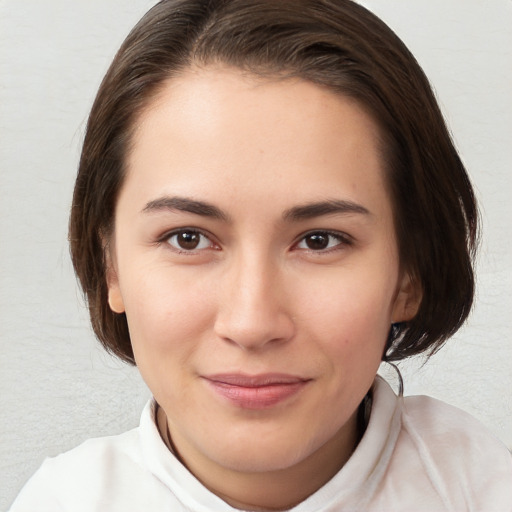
[[257, 332]]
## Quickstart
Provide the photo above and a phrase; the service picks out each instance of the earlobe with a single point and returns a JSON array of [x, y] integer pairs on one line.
[[408, 299], [115, 298]]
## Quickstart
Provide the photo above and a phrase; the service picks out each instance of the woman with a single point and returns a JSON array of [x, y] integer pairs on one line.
[[268, 205]]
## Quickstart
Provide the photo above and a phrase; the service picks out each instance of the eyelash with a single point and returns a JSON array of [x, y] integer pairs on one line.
[[187, 231], [342, 239]]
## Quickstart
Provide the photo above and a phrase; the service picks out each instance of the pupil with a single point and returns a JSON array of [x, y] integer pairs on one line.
[[188, 241], [317, 241]]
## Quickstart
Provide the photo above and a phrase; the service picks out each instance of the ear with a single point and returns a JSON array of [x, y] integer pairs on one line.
[[407, 300], [115, 298]]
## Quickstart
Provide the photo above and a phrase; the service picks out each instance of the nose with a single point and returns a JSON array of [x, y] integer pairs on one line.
[[253, 309]]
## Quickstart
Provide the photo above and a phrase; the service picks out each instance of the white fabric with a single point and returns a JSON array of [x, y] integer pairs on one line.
[[417, 455]]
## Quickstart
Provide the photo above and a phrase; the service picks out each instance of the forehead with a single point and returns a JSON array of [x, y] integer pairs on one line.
[[219, 126]]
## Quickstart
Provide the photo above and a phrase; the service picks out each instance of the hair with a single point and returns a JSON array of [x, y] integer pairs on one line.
[[336, 44]]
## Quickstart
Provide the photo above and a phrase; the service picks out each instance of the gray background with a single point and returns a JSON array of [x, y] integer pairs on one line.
[[57, 387]]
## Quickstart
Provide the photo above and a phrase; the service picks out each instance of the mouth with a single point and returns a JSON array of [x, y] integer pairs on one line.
[[256, 391]]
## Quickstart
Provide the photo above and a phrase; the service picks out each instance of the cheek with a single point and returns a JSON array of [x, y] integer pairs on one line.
[[166, 312], [346, 300], [168, 320], [349, 317]]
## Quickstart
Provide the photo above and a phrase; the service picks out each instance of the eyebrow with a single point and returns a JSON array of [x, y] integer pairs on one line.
[[184, 204], [295, 214], [320, 208]]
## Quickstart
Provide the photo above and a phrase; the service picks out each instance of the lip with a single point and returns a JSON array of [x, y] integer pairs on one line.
[[261, 391]]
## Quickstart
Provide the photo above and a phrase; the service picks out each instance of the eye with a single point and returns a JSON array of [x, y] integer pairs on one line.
[[186, 240], [322, 241]]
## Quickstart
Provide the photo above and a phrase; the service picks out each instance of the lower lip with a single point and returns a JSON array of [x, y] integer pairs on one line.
[[257, 397]]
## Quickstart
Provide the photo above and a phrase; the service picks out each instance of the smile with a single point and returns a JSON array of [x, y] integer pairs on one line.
[[256, 391]]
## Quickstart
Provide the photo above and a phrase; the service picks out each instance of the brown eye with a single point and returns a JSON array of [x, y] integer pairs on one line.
[[322, 241], [189, 240], [317, 241]]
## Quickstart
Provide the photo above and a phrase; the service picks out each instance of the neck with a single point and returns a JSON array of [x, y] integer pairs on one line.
[[269, 490]]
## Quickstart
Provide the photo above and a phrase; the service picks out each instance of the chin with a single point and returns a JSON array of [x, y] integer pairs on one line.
[[263, 453], [260, 462]]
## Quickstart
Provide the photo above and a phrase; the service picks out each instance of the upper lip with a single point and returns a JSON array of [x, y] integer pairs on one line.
[[254, 381]]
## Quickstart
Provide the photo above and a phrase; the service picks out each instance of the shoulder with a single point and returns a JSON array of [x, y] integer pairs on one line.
[[100, 474], [97, 456], [441, 425], [460, 457], [61, 480]]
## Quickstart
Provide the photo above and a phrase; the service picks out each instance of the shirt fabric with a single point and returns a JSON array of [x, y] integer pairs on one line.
[[417, 455]]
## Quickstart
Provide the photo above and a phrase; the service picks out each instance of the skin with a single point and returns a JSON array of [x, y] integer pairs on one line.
[[258, 293]]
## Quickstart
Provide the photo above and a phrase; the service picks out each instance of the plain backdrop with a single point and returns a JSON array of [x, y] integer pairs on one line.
[[57, 387]]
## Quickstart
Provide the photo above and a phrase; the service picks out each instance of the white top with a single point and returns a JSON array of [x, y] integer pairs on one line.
[[417, 455]]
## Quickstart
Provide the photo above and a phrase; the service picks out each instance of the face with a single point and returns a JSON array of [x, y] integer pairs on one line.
[[255, 257]]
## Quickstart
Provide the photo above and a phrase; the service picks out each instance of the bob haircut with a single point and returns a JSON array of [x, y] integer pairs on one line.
[[338, 45]]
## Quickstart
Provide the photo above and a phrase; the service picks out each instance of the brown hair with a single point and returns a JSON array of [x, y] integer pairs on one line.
[[334, 43]]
